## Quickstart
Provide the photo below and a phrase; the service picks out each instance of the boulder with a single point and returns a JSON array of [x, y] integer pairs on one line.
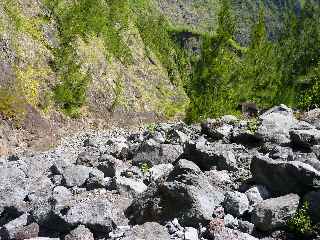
[[276, 124], [191, 233], [274, 213], [80, 233], [308, 158], [284, 177], [207, 155], [130, 187], [235, 203], [312, 117], [13, 188], [281, 153], [153, 153], [89, 157], [76, 175], [186, 195], [216, 130], [147, 231], [9, 230], [305, 136], [159, 171], [225, 233], [26, 232], [257, 194], [94, 212]]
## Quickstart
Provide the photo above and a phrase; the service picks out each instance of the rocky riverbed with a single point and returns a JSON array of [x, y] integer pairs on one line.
[[226, 179]]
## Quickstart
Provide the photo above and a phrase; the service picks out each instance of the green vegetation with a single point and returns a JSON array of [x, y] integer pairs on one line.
[[266, 72], [145, 168], [83, 19], [300, 223]]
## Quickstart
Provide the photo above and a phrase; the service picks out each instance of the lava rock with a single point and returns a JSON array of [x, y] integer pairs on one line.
[[257, 194], [235, 203], [284, 177], [274, 213], [80, 233]]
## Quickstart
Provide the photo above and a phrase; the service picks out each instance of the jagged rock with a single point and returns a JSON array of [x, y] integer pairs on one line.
[[216, 129], [245, 226], [43, 238], [159, 171], [191, 234], [308, 158], [312, 117], [219, 178], [274, 213], [93, 212], [147, 231], [186, 195], [57, 179], [313, 200], [108, 165], [230, 221], [207, 156], [158, 137], [13, 188], [133, 172], [176, 137], [316, 150], [30, 231], [76, 175], [80, 233], [153, 153], [257, 194], [284, 177], [129, 186], [9, 230], [281, 153], [118, 148], [305, 136], [229, 234], [235, 203], [61, 195], [88, 158], [275, 125]]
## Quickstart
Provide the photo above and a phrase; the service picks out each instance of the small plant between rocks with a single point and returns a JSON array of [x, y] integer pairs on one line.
[[300, 224]]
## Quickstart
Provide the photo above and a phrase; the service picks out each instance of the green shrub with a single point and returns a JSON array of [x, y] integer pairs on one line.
[[300, 223], [145, 168]]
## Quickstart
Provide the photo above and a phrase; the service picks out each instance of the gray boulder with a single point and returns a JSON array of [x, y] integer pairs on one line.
[[159, 171], [216, 129], [316, 150], [207, 155], [225, 233], [305, 136], [308, 158], [257, 194], [9, 230], [13, 188], [76, 175], [191, 234], [148, 231], [274, 213], [89, 157], [93, 212], [26, 232], [186, 195], [80, 233], [284, 177], [276, 124], [129, 186], [153, 153], [235, 203]]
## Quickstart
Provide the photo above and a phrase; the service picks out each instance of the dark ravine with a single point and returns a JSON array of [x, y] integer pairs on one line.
[[226, 179]]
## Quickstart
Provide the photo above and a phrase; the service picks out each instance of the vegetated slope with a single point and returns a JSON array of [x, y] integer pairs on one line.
[[109, 58], [139, 59]]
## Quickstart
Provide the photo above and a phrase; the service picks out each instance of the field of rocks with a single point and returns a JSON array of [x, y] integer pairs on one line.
[[226, 179]]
